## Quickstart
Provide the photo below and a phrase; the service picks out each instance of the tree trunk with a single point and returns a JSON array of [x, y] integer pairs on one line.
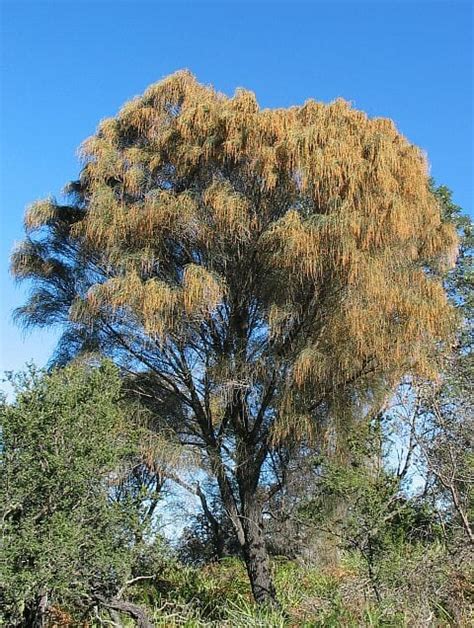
[[256, 556], [247, 521]]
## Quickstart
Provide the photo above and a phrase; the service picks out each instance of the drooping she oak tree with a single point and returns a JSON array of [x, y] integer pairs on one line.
[[263, 273]]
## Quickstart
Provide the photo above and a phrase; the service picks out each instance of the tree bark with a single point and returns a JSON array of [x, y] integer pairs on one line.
[[256, 556], [246, 518]]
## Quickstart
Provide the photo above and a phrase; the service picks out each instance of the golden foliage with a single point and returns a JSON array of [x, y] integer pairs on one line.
[[230, 213], [158, 306], [201, 290], [28, 261], [153, 302], [39, 213], [198, 200], [162, 453]]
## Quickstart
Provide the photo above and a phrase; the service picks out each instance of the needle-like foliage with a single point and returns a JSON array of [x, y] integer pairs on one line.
[[266, 271]]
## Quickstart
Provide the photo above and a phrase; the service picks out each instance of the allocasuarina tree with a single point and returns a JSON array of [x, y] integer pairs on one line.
[[264, 273]]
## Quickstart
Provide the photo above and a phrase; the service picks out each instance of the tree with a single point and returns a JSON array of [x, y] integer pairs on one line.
[[440, 414], [449, 455], [263, 272], [68, 544]]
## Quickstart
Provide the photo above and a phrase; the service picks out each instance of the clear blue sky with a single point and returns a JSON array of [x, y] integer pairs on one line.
[[65, 65]]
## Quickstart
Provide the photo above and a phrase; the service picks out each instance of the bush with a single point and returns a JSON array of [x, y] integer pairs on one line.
[[68, 543]]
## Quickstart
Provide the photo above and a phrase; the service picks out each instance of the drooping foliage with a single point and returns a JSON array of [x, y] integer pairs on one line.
[[266, 271], [189, 199]]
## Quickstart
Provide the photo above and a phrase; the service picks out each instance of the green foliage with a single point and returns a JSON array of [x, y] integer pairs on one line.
[[376, 515], [65, 448], [447, 408], [74, 532], [460, 281], [219, 596], [392, 544]]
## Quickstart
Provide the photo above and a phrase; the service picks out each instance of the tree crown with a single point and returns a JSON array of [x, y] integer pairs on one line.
[[239, 250]]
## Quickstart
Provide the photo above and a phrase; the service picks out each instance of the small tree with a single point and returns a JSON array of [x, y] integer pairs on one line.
[[449, 455], [440, 415], [67, 545], [262, 271]]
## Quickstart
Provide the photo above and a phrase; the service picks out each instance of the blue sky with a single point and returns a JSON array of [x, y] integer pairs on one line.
[[65, 65]]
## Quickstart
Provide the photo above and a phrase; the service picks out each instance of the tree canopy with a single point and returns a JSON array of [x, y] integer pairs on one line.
[[265, 274]]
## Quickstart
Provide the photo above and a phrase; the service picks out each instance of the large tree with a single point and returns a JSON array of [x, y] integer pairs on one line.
[[263, 273]]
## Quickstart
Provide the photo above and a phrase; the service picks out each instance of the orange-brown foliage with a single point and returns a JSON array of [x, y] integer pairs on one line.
[[321, 214]]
